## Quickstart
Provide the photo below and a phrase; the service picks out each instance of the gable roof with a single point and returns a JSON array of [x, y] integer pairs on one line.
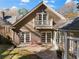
[[17, 23], [71, 25]]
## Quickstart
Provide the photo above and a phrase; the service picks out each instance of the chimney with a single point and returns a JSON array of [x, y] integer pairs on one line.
[[3, 15]]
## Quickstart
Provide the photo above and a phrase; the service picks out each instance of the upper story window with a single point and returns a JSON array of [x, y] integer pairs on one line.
[[42, 16]]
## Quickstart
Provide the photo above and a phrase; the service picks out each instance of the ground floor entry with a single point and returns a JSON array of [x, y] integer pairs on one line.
[[25, 37], [45, 37]]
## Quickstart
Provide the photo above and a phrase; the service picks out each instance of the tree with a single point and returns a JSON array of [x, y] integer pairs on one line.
[[70, 15], [69, 10], [22, 11]]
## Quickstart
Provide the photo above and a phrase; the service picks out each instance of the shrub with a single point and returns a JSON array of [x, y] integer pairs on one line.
[[5, 40]]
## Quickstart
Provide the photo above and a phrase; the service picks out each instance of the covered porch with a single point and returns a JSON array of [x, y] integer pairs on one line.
[[71, 39]]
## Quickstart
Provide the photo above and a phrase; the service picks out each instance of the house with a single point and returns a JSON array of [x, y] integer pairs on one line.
[[37, 26], [70, 32], [5, 25], [4, 28]]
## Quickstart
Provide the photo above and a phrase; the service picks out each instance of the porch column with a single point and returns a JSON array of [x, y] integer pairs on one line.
[[46, 38], [60, 38], [54, 40], [78, 49], [30, 38], [55, 35], [65, 46], [24, 37]]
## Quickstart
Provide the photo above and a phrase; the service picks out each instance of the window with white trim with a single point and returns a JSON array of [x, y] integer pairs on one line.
[[46, 37], [25, 37], [42, 17]]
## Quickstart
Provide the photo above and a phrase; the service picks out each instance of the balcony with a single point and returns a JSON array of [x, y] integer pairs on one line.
[[43, 24]]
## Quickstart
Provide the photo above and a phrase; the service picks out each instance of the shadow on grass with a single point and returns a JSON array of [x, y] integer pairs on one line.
[[5, 50], [31, 56], [5, 40], [7, 56]]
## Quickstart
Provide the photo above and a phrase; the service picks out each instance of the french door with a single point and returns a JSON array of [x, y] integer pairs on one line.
[[25, 37], [42, 18], [46, 37]]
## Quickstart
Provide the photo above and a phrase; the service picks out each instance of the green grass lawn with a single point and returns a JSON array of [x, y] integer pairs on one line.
[[15, 53]]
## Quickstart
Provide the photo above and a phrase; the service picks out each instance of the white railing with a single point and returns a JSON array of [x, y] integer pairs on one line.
[[43, 23]]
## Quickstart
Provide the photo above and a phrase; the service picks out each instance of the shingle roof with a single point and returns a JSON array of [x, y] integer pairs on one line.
[[72, 25]]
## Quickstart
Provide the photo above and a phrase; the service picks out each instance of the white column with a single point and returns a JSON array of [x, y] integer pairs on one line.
[[12, 34], [46, 37], [55, 33], [65, 47], [77, 49], [47, 20], [30, 37], [42, 19], [51, 22], [54, 41], [60, 37], [24, 37]]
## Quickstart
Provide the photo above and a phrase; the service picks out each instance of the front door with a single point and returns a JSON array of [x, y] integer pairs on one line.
[[25, 37]]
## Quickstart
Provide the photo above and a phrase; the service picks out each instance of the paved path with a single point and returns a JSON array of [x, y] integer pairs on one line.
[[43, 52]]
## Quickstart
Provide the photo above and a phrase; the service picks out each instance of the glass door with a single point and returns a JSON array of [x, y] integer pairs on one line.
[[25, 37], [46, 37]]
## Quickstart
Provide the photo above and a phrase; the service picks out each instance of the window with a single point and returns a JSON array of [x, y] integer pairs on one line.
[[43, 35], [42, 18], [22, 36], [49, 36], [25, 37], [46, 37]]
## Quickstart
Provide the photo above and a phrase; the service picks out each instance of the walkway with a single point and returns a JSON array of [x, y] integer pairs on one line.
[[45, 52]]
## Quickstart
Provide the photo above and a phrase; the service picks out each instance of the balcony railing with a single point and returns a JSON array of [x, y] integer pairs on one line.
[[43, 23]]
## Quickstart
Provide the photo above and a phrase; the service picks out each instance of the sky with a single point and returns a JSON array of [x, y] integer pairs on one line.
[[30, 4]]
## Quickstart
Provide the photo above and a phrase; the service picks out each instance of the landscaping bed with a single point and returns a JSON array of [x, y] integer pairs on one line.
[[8, 52]]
